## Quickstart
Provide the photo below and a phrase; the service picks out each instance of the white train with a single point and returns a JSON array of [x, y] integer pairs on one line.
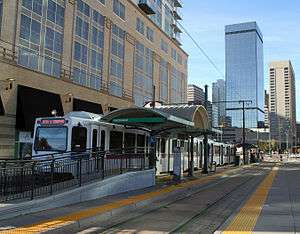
[[78, 131]]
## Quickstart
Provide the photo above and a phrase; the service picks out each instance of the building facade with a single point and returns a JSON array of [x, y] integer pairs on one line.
[[195, 94], [218, 98], [283, 101], [298, 134], [244, 72], [89, 55]]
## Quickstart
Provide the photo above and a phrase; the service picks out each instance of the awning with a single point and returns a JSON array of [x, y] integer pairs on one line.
[[163, 120], [82, 105], [34, 103], [2, 111]]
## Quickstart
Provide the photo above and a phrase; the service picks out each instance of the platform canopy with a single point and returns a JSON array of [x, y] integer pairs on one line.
[[163, 120]]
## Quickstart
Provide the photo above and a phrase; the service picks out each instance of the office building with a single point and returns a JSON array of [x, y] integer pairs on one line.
[[267, 109], [283, 101], [96, 56], [218, 98], [244, 72], [195, 94]]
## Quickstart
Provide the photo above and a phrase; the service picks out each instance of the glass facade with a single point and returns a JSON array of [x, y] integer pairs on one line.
[[164, 81], [244, 72], [88, 46], [41, 35], [143, 74]]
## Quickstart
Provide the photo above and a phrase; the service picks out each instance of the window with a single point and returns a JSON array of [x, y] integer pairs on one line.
[[96, 60], [164, 46], [116, 140], [150, 34], [98, 18], [140, 26], [115, 89], [55, 13], [53, 40], [80, 53], [95, 139], [119, 9], [83, 7], [30, 29], [52, 66], [102, 1], [82, 28], [117, 48], [102, 145], [51, 139], [33, 5], [79, 76], [116, 69], [174, 54]]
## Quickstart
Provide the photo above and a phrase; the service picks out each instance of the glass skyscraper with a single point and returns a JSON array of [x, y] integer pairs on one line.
[[244, 72]]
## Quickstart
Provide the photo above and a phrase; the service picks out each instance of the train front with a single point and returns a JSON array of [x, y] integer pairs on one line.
[[50, 137]]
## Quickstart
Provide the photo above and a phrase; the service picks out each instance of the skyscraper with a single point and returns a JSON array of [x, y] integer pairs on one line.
[[267, 109], [244, 72], [283, 100], [218, 96]]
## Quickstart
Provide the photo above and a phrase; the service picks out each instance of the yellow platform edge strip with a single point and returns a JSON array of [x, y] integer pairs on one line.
[[245, 221], [68, 219]]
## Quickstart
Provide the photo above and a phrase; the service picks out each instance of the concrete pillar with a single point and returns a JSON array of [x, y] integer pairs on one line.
[[69, 34], [129, 66], [156, 75]]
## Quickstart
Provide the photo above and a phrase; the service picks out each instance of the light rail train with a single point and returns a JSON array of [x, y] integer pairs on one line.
[[78, 131]]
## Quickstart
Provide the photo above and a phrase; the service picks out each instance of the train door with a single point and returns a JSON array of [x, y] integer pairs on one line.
[[94, 137], [79, 139], [103, 139]]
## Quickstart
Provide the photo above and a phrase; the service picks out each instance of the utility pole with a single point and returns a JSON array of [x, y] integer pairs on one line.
[[205, 140]]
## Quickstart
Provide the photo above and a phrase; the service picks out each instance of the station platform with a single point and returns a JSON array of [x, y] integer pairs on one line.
[[273, 208], [106, 209]]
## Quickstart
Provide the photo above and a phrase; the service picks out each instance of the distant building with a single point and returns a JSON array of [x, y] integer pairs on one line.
[[218, 96], [267, 109], [283, 101], [195, 94], [244, 72], [225, 121], [235, 135], [211, 109]]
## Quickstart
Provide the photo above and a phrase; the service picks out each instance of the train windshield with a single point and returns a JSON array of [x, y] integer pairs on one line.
[[51, 139]]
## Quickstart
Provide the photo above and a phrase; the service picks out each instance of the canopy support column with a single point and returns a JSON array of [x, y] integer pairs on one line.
[[191, 164], [205, 147]]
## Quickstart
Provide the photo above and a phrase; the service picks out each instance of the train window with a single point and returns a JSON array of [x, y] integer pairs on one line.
[[116, 140], [129, 142], [141, 142], [102, 144], [163, 146], [79, 138], [95, 139]]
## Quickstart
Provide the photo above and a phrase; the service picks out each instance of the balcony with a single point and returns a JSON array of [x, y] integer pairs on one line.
[[177, 38], [177, 3], [175, 27], [146, 6], [177, 14]]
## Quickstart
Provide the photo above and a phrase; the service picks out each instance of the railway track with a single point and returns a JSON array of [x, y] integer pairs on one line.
[[201, 211]]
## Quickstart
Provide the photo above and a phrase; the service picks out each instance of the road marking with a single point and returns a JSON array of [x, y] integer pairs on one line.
[[71, 218], [245, 221]]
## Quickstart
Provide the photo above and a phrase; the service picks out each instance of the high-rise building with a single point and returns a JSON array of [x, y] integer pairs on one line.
[[283, 100], [195, 94], [244, 72], [267, 109], [218, 98], [298, 134], [85, 55]]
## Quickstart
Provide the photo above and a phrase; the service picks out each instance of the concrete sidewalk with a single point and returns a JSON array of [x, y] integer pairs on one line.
[[106, 208], [279, 212]]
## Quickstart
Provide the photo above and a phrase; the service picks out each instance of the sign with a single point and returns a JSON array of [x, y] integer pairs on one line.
[[25, 137], [53, 121], [139, 120], [177, 163]]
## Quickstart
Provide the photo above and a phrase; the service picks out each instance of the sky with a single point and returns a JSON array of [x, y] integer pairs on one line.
[[205, 20]]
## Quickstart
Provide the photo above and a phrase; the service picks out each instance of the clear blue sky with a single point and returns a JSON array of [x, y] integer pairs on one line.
[[278, 20]]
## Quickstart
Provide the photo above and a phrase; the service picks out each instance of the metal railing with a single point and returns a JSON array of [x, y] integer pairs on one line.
[[28, 179]]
